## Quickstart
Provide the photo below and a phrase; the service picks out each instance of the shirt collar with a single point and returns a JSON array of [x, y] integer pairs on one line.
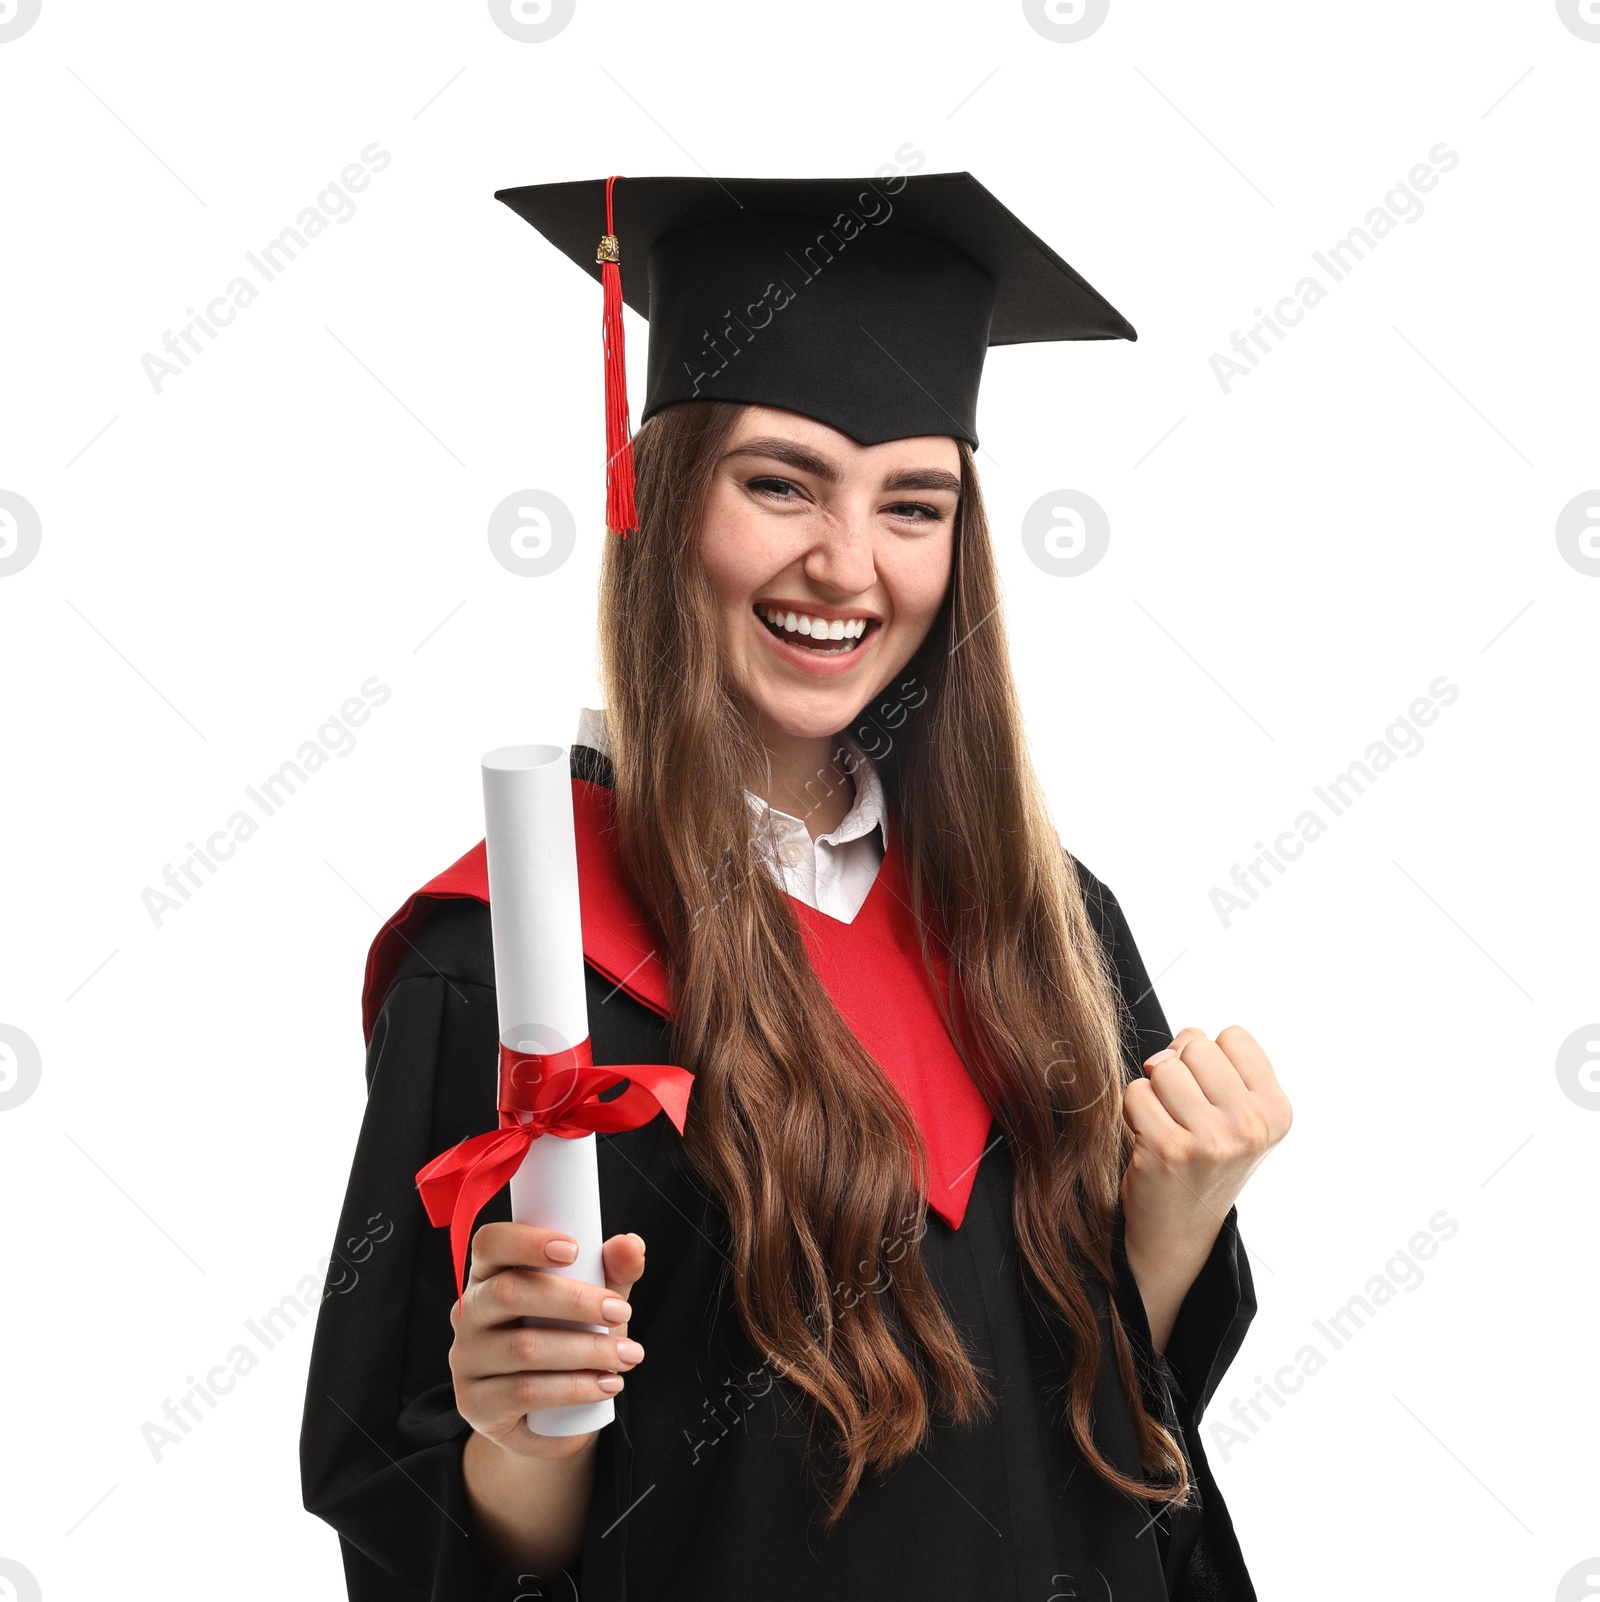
[[869, 811], [592, 730]]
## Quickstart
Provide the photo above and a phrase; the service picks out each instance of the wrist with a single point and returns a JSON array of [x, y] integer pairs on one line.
[[529, 1510], [1169, 1256], [1164, 1271]]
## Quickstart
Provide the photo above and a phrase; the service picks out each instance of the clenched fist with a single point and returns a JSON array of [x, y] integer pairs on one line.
[[1205, 1114]]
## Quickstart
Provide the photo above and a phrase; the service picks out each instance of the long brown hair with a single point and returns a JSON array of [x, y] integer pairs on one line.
[[796, 1130]]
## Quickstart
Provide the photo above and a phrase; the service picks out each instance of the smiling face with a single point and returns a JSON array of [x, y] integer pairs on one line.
[[851, 544]]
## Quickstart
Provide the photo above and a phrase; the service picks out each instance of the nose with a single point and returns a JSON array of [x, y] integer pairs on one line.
[[842, 559]]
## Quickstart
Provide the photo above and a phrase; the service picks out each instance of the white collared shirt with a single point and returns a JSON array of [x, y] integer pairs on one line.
[[832, 873]]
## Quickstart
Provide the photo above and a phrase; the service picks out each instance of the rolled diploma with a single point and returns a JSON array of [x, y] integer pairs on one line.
[[532, 851]]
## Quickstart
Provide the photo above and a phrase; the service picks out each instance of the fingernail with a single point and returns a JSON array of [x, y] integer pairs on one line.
[[561, 1251], [610, 1383], [630, 1351], [615, 1312], [1160, 1056]]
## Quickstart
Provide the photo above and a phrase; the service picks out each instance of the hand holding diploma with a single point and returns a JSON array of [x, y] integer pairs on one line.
[[505, 1367], [530, 1491], [550, 1109]]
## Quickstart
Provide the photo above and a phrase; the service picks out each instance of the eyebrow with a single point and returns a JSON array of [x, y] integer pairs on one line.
[[808, 461]]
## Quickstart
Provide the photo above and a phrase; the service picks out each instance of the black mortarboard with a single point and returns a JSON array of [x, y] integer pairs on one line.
[[865, 303]]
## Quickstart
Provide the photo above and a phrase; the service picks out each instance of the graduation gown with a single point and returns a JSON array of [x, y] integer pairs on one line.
[[702, 1489]]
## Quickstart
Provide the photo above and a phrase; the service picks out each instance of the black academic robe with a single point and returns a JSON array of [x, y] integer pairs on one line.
[[701, 1487]]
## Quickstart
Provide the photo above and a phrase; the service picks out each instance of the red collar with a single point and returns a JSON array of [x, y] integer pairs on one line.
[[872, 968]]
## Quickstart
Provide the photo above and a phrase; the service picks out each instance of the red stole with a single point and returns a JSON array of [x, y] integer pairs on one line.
[[872, 969]]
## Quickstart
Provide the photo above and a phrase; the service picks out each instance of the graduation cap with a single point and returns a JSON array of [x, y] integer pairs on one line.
[[865, 303]]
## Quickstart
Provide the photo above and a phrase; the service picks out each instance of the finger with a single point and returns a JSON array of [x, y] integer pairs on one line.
[[516, 1293], [1147, 1118], [1178, 1091], [622, 1258], [498, 1246], [1248, 1059], [535, 1349], [1216, 1075], [506, 1398], [1186, 1037]]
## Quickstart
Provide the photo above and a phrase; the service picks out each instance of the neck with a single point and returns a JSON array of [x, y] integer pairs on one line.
[[808, 779]]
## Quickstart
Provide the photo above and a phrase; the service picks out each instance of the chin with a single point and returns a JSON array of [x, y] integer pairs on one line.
[[810, 714]]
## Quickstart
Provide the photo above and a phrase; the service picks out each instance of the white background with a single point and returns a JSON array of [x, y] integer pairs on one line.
[[1292, 563]]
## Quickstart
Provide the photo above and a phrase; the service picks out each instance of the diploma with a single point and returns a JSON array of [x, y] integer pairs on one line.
[[553, 1097], [532, 853]]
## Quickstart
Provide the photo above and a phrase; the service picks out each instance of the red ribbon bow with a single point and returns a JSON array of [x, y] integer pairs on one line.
[[561, 1092]]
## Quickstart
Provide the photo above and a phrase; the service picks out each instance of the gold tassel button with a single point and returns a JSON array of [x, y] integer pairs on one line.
[[608, 250]]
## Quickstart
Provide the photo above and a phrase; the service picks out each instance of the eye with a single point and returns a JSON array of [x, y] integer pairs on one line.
[[918, 511], [780, 489]]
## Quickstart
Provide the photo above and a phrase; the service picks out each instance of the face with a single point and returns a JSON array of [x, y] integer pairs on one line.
[[856, 540]]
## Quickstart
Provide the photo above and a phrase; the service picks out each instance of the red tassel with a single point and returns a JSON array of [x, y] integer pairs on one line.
[[621, 516]]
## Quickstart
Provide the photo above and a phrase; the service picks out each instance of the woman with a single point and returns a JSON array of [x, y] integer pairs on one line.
[[939, 1280]]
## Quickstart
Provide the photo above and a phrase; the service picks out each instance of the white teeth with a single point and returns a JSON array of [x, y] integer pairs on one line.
[[818, 628]]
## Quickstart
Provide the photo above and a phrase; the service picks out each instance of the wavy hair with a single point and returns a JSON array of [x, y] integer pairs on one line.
[[795, 1129]]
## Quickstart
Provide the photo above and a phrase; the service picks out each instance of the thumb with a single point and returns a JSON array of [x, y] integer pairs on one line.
[[623, 1260]]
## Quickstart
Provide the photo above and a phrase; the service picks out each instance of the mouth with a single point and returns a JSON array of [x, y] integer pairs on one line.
[[816, 636]]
